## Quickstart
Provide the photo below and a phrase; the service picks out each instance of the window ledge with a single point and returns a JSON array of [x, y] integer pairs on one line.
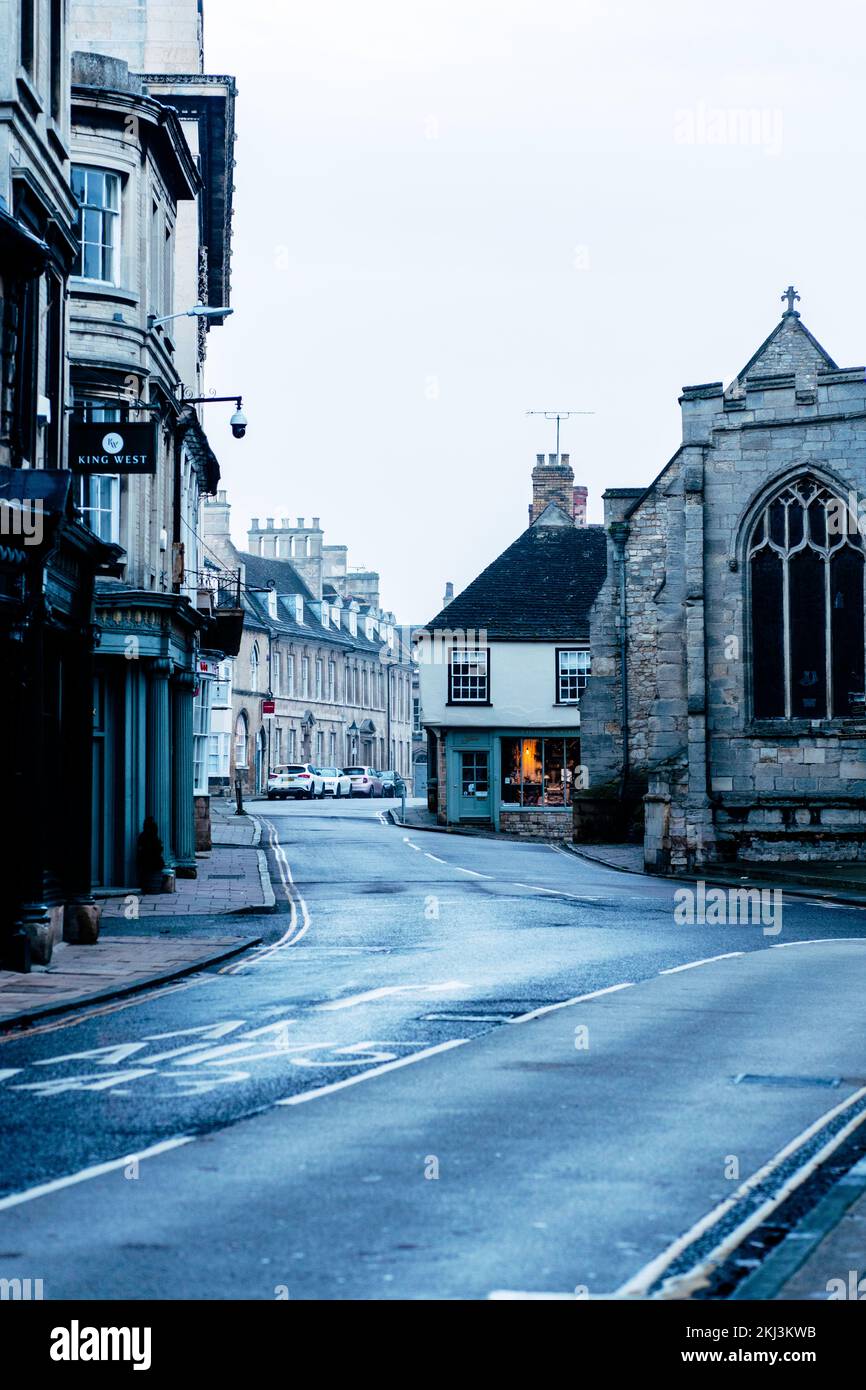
[[80, 288], [469, 704], [805, 728]]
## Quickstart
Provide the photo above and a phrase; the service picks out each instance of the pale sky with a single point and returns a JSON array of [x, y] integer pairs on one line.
[[450, 213]]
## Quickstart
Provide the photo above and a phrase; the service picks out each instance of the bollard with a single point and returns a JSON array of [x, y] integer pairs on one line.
[[239, 797]]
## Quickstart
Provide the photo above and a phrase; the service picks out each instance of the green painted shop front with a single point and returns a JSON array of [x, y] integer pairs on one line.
[[502, 777]]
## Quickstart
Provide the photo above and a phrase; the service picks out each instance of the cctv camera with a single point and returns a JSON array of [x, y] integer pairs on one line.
[[239, 424]]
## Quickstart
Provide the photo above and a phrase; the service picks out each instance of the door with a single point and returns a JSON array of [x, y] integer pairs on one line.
[[474, 789]]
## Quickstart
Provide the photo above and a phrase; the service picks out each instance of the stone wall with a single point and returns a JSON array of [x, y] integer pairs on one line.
[[536, 825]]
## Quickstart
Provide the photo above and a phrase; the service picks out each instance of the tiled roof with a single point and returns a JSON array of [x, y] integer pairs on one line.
[[542, 587]]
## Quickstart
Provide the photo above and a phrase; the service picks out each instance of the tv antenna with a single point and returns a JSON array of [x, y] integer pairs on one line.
[[559, 415]]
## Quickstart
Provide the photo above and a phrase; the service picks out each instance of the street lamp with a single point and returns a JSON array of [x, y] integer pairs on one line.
[[198, 311], [353, 732]]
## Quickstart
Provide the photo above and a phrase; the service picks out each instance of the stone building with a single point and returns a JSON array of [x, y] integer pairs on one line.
[[151, 170], [318, 646], [503, 669], [724, 719], [48, 559]]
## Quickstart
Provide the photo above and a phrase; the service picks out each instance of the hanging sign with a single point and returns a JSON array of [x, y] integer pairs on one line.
[[109, 447]]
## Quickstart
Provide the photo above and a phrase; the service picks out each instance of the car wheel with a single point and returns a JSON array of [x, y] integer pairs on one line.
[[337, 791]]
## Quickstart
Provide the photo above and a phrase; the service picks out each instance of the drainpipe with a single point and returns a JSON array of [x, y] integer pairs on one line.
[[619, 531]]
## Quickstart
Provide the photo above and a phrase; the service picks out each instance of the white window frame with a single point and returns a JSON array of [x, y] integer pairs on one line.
[[110, 218], [469, 676], [573, 669]]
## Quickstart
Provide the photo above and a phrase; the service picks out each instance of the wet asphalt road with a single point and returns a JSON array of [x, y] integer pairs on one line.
[[388, 943]]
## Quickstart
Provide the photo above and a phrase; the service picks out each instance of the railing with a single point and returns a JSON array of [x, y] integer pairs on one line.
[[216, 588]]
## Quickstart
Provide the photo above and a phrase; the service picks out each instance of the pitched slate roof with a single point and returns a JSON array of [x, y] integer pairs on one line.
[[541, 588], [259, 572]]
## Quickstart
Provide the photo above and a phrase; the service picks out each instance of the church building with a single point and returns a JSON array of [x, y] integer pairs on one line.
[[725, 718]]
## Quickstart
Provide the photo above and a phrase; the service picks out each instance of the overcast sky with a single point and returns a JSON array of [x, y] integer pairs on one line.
[[450, 213]]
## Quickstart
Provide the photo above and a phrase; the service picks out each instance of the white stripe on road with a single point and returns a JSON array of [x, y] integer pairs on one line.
[[407, 841], [304, 1096], [473, 872], [693, 964], [578, 999], [97, 1171], [559, 893], [434, 856], [296, 901], [383, 990]]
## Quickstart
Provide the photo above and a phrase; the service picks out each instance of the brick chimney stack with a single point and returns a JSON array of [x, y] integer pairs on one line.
[[580, 495], [552, 481], [449, 593]]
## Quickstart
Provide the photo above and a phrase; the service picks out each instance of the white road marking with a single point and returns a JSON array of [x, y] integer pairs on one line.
[[473, 872], [384, 990], [9, 1071], [97, 1171], [304, 1096], [637, 1286], [297, 905], [560, 893], [434, 856], [565, 1003], [693, 964], [816, 941], [407, 841]]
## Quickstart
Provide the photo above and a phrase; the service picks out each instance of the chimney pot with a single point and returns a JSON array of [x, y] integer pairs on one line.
[[564, 460], [539, 459], [254, 524], [300, 523], [551, 458], [270, 525], [316, 526]]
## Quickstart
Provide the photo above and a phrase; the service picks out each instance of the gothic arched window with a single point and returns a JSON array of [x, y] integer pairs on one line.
[[806, 560]]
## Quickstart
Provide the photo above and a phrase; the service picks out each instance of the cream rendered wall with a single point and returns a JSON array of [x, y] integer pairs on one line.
[[522, 687]]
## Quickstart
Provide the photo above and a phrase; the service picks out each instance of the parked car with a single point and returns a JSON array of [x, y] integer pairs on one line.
[[337, 783], [365, 781], [296, 779], [392, 784]]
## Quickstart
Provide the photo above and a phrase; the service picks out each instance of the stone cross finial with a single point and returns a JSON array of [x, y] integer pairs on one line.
[[790, 294]]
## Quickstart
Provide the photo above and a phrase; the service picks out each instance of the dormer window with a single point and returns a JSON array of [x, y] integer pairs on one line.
[[299, 608], [272, 603], [353, 623], [326, 615]]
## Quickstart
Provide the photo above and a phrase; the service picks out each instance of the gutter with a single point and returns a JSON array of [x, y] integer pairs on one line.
[[619, 531]]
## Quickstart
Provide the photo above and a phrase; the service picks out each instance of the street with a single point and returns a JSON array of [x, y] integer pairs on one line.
[[380, 1101]]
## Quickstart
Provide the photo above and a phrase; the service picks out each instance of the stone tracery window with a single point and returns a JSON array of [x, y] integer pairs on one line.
[[807, 605]]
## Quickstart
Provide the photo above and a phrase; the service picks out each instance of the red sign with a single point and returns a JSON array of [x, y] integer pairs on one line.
[[268, 707]]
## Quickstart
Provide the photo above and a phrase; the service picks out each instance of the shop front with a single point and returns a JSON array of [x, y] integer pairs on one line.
[[517, 781]]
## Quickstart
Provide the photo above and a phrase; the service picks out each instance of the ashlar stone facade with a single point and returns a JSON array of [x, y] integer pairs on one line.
[[724, 718]]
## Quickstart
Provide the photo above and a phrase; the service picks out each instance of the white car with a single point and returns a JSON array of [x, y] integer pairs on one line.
[[336, 782], [297, 779]]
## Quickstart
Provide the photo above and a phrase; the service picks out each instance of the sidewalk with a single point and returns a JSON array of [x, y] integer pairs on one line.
[[145, 940], [843, 883]]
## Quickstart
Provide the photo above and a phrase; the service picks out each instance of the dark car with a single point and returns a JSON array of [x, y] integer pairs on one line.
[[392, 784]]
